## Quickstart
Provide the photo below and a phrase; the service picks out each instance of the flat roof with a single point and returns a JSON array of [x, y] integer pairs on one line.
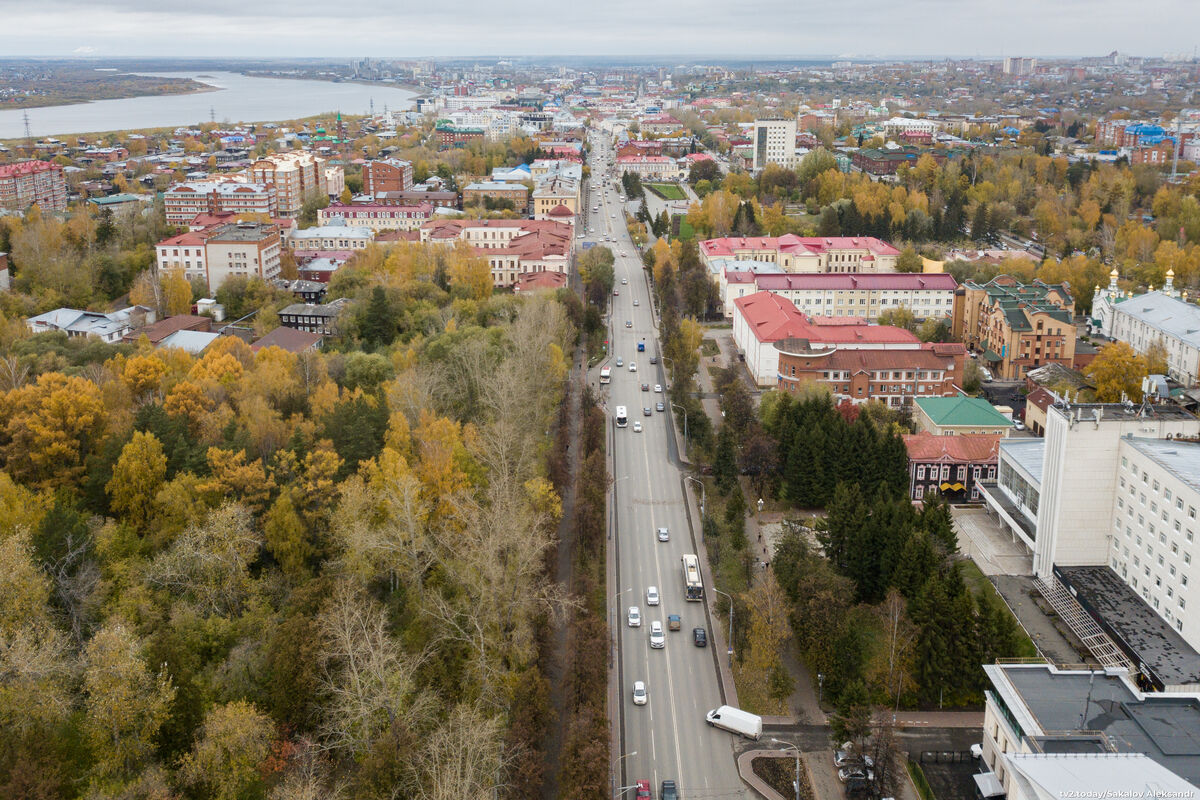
[[1174, 317], [1180, 458], [1165, 727], [1134, 624], [1027, 453]]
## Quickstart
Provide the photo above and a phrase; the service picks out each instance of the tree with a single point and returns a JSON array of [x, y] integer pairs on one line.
[[232, 745], [125, 702], [49, 428], [1156, 357], [1117, 370], [900, 317], [829, 225], [136, 479], [909, 261], [380, 324], [346, 197], [469, 273], [287, 537]]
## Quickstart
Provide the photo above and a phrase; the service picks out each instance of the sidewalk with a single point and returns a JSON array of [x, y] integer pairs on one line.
[[939, 719]]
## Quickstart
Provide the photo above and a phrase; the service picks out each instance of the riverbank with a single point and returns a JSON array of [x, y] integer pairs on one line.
[[88, 88]]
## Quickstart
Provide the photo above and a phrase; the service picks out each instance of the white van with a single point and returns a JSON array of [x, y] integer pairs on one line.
[[736, 721]]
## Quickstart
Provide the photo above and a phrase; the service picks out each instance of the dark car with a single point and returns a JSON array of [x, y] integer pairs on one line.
[[668, 791], [653, 359], [645, 387], [700, 637]]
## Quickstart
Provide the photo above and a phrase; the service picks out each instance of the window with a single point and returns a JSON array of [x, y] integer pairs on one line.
[[921, 472], [920, 491]]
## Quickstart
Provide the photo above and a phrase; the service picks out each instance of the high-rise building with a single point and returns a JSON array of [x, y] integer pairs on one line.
[[33, 182], [296, 175], [1020, 66], [774, 143]]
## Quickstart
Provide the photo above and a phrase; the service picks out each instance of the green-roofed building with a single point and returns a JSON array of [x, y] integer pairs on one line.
[[1016, 326], [946, 416]]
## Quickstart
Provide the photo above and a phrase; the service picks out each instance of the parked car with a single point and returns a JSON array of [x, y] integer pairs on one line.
[[657, 639], [700, 637], [639, 693], [635, 617], [674, 622], [855, 773]]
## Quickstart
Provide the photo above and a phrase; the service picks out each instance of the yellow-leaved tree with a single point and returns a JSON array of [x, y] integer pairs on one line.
[[137, 477], [1117, 370]]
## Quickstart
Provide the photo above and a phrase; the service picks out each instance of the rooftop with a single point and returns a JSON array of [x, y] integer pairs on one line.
[[968, 448], [333, 232], [1170, 315], [961, 411], [1029, 453], [1179, 457], [242, 232]]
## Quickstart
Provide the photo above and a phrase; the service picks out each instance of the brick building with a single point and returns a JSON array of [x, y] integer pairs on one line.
[[887, 161], [891, 376], [377, 217], [27, 183], [183, 201], [450, 136], [387, 175], [296, 175], [1016, 326]]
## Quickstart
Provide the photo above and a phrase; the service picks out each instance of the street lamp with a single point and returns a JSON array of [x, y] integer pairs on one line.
[[820, 687], [617, 792], [730, 599], [703, 493], [797, 749], [685, 429]]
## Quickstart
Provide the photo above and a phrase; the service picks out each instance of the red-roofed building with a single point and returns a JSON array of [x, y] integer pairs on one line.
[[805, 253], [640, 147], [762, 319], [951, 466], [377, 217], [512, 247], [864, 295], [27, 183], [540, 282], [859, 374], [649, 167]]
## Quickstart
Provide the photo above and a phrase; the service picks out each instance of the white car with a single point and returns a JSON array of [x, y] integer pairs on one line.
[[624, 280], [637, 427], [658, 639], [651, 595], [658, 388], [635, 617], [639, 693], [620, 361], [633, 366], [664, 535], [635, 302]]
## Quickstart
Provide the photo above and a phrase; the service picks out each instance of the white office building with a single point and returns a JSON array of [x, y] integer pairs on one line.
[[774, 142], [1161, 316]]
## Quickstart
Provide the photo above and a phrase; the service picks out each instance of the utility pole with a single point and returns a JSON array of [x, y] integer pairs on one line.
[[212, 113], [28, 132]]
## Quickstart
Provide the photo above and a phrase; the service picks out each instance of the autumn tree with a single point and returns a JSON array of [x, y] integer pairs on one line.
[[50, 427], [1117, 372], [136, 478], [233, 743]]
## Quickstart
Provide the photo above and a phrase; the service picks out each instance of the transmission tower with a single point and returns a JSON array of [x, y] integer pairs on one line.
[[28, 131]]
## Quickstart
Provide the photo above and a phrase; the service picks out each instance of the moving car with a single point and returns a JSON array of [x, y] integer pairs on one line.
[[699, 637], [639, 693], [616, 292], [624, 281], [674, 622], [657, 386], [633, 366], [658, 639], [637, 426], [668, 791], [628, 323], [643, 789], [635, 302], [646, 411], [651, 595], [620, 361], [645, 387], [736, 721], [664, 535], [635, 617], [653, 359], [659, 407]]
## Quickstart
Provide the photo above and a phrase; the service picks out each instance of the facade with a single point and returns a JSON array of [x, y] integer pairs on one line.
[[763, 319], [28, 183], [415, 197], [774, 142], [512, 247], [1162, 317], [1018, 327], [311, 317], [846, 295], [108, 328], [451, 136], [296, 176], [387, 175], [247, 249], [376, 217], [183, 201], [807, 254], [861, 374], [1019, 66], [887, 161], [185, 252], [515, 193], [331, 237], [650, 168], [952, 466], [949, 416], [552, 192]]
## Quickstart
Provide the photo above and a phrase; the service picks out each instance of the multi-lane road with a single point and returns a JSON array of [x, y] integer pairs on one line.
[[666, 739]]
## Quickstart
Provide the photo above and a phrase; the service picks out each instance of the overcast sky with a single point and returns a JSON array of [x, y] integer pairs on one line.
[[796, 28]]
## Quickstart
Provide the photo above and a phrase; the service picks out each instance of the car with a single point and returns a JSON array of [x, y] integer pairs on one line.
[[657, 387], [855, 773], [637, 426], [646, 412], [635, 302], [699, 637], [643, 789], [616, 292], [657, 639], [668, 791], [639, 693], [620, 361], [624, 281], [846, 757], [674, 622], [663, 535], [653, 359], [976, 751], [645, 387], [633, 366], [628, 323], [652, 595], [659, 406], [1018, 425], [634, 617]]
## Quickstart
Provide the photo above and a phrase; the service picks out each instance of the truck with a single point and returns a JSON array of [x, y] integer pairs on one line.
[[736, 721]]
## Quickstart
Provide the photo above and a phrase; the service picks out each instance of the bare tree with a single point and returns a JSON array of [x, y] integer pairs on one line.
[[464, 757]]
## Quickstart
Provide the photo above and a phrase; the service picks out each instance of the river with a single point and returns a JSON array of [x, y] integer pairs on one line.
[[235, 98]]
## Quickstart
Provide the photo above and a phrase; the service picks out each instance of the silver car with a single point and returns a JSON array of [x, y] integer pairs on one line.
[[664, 535], [658, 640]]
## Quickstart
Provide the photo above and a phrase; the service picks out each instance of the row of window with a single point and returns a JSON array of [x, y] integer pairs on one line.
[[960, 471]]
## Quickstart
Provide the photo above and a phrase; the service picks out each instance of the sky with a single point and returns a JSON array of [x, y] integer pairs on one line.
[[758, 28]]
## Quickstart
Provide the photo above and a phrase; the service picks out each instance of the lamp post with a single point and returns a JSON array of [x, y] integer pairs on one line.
[[796, 785], [703, 494], [730, 599], [685, 429], [620, 790], [820, 687]]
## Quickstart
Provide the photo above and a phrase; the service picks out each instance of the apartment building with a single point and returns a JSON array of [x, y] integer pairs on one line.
[[451, 136], [846, 295], [183, 201], [774, 142], [888, 160], [28, 183], [512, 247], [650, 168], [863, 373], [1018, 327], [1158, 317], [245, 249], [387, 175], [331, 237], [376, 217], [313, 317], [479, 193], [295, 175], [853, 254]]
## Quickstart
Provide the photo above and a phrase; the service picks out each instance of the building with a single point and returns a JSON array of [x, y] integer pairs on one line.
[[290, 339], [331, 237], [28, 183], [244, 249], [156, 332], [1050, 732], [650, 168], [1017, 327], [296, 176], [947, 416], [108, 328], [415, 197], [774, 142], [951, 466], [313, 318], [450, 136], [888, 160], [512, 247], [1157, 318], [760, 320], [1019, 66], [387, 175], [846, 295], [553, 191], [376, 217], [478, 194], [860, 374], [184, 201], [661, 125], [809, 254]]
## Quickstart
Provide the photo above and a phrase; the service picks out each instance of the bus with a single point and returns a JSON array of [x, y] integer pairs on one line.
[[622, 417], [693, 584], [605, 375]]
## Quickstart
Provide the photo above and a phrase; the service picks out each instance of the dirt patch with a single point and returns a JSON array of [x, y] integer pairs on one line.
[[779, 774]]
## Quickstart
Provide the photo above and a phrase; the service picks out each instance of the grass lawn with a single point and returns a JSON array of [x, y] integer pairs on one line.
[[708, 347], [685, 231], [667, 191], [985, 592]]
